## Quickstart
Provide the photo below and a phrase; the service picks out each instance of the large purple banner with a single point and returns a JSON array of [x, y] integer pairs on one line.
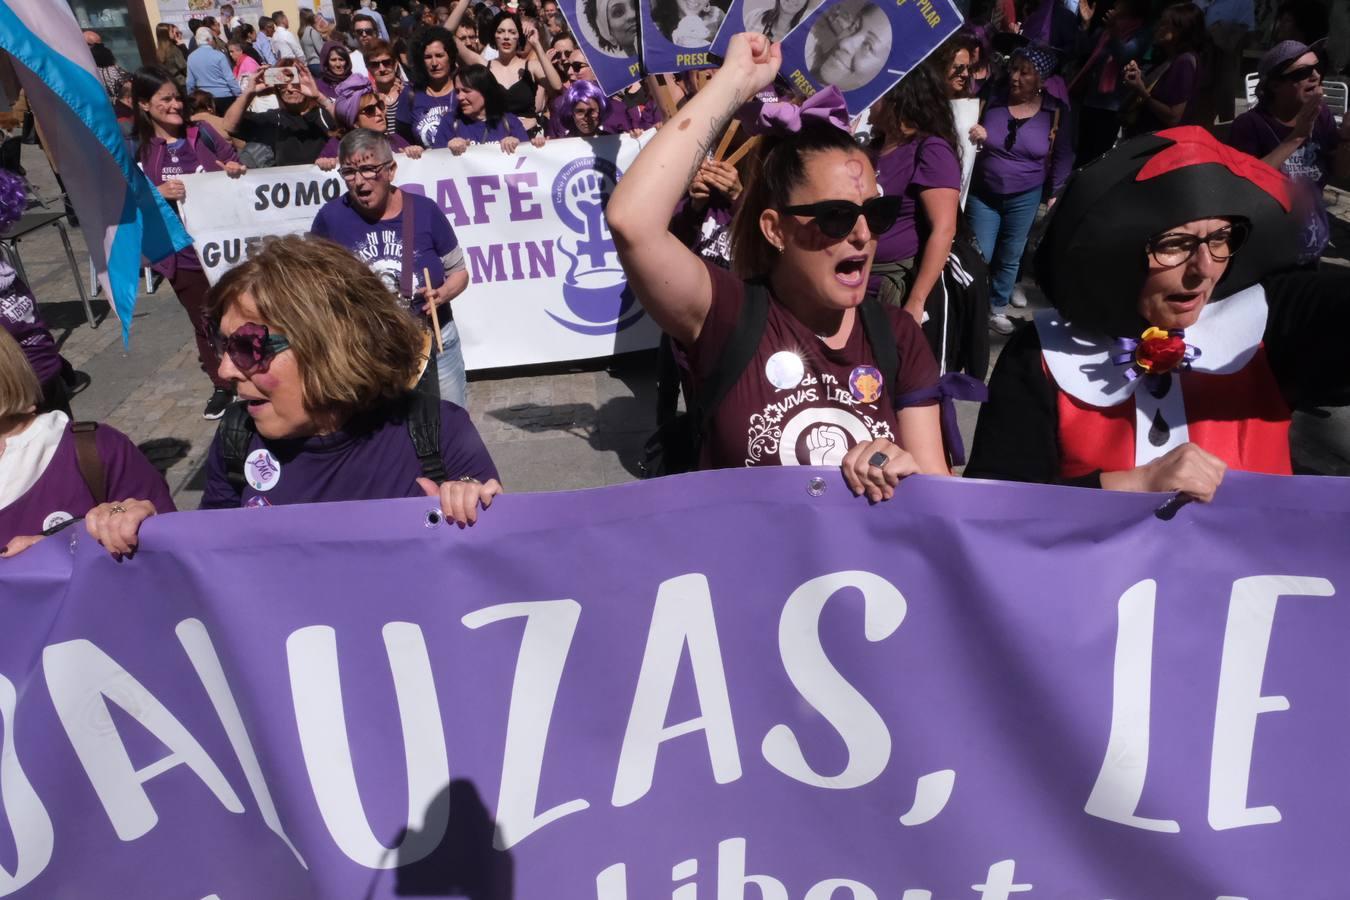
[[729, 685]]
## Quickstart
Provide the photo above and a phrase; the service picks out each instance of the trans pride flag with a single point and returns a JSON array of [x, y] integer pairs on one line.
[[122, 214]]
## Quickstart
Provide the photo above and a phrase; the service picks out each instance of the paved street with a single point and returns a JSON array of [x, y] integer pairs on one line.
[[565, 428]]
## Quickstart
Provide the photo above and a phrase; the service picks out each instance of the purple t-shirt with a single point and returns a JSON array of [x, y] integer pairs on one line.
[[61, 488], [1257, 132], [423, 113], [1176, 85], [330, 149], [204, 150], [1032, 162], [369, 461], [380, 244], [457, 126], [19, 315], [908, 170]]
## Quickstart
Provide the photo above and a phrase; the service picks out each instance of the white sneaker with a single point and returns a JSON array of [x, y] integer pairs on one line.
[[1000, 323], [1019, 298]]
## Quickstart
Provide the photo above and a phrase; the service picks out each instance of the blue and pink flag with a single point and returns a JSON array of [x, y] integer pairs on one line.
[[121, 213]]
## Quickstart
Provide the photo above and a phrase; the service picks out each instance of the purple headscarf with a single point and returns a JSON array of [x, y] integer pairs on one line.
[[328, 79], [347, 98]]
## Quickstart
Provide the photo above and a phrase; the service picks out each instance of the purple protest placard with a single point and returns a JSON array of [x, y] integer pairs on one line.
[[676, 34], [607, 31], [864, 47], [733, 685]]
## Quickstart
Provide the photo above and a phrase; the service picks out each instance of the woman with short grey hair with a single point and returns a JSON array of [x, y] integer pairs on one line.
[[404, 238]]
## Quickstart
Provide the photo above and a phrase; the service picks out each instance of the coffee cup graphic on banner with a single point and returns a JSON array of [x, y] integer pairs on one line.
[[594, 287]]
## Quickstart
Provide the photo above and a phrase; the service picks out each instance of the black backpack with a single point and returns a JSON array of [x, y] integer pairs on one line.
[[423, 420], [676, 444]]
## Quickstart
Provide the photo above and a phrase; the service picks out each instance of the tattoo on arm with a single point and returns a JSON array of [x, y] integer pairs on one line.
[[709, 139]]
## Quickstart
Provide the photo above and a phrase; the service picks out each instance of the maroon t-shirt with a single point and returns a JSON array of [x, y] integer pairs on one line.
[[60, 492], [800, 402]]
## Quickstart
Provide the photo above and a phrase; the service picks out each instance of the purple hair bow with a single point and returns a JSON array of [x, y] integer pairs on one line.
[[784, 117]]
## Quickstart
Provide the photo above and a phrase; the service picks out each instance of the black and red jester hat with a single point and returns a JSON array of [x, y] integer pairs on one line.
[[1092, 260]]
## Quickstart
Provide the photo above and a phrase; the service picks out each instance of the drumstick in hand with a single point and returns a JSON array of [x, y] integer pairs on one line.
[[431, 308]]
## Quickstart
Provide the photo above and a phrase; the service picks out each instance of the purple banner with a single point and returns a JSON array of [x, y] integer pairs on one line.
[[676, 34], [745, 684]]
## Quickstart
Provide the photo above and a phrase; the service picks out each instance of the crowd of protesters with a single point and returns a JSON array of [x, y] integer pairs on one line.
[[1173, 261]]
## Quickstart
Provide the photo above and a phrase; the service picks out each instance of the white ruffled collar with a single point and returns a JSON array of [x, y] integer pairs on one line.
[[1227, 334]]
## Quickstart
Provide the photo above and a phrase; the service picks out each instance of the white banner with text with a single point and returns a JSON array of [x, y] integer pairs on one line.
[[545, 283]]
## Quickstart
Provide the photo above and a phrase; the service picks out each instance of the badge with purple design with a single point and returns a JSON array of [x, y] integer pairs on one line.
[[595, 288], [257, 501], [261, 470], [864, 383]]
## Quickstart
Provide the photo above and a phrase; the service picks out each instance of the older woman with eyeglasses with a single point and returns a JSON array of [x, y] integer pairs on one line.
[[322, 356], [1179, 345], [833, 377], [403, 237]]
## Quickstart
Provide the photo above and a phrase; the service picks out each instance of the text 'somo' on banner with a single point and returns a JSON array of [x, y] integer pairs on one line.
[[863, 47], [545, 284], [739, 684]]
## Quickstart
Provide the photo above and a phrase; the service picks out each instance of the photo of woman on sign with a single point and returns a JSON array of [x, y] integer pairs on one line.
[[611, 26], [688, 23], [775, 18], [849, 45]]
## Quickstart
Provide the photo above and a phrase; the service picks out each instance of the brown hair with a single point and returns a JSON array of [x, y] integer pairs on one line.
[[777, 168], [355, 345], [20, 392]]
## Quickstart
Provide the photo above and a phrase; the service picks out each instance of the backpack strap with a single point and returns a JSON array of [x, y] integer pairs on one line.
[[236, 432], [424, 428], [739, 351], [91, 464], [881, 338]]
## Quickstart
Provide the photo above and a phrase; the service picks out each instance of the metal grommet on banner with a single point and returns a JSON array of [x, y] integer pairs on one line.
[[816, 486], [434, 517]]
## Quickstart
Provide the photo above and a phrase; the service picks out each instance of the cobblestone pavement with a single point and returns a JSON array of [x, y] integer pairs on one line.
[[564, 428]]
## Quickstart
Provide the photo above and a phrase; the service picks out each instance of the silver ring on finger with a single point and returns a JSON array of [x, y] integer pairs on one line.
[[878, 460]]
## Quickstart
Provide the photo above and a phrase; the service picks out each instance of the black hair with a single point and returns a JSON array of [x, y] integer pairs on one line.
[[494, 95], [423, 39], [1187, 22], [591, 10], [497, 20], [779, 167], [193, 25], [919, 100], [145, 84]]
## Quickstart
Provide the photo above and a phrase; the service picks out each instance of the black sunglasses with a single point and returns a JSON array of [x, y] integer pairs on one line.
[[1014, 125], [1302, 73], [379, 63], [576, 66], [363, 32], [836, 218]]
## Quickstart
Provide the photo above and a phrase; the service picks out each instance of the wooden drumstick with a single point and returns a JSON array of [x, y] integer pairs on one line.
[[727, 138], [742, 150], [431, 307]]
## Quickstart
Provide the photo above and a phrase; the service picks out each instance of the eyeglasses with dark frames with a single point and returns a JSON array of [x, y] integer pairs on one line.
[[1177, 247], [351, 173]]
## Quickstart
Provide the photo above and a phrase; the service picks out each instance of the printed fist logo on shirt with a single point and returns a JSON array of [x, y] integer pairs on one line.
[[827, 445]]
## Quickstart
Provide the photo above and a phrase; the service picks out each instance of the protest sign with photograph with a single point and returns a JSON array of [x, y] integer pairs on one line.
[[864, 47], [775, 18], [676, 34], [607, 32]]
